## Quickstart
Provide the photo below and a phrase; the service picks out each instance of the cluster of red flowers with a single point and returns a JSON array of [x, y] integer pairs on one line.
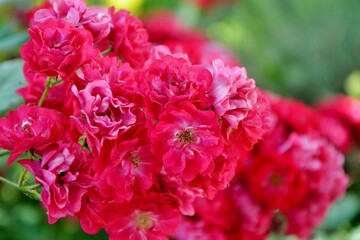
[[291, 177], [286, 183], [122, 133], [140, 130]]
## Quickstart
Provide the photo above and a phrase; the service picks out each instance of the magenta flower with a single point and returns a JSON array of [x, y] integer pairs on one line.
[[29, 127], [146, 217], [64, 174], [70, 10], [131, 168], [187, 139], [138, 134], [321, 165], [57, 48], [97, 20], [197, 230], [104, 114], [172, 80], [233, 92], [130, 39]]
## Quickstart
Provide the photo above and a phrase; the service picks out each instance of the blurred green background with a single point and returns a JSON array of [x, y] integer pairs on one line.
[[305, 49]]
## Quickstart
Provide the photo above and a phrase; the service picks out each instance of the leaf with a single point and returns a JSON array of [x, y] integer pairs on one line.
[[352, 84], [12, 2], [11, 79], [341, 213], [14, 41]]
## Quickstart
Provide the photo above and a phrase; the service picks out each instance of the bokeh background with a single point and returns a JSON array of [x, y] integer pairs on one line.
[[301, 49]]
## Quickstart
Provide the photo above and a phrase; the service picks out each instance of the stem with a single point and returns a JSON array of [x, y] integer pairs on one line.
[[29, 191], [46, 91], [22, 178], [4, 180], [109, 50], [50, 82]]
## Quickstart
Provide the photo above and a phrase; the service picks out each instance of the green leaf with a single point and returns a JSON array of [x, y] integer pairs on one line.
[[341, 213], [14, 41], [12, 1], [11, 79], [352, 84]]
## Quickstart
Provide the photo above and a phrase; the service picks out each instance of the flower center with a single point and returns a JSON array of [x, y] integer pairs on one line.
[[26, 127], [276, 179], [134, 159], [184, 136], [143, 221]]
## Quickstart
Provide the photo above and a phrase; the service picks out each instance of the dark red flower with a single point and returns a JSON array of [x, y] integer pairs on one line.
[[340, 120], [276, 181]]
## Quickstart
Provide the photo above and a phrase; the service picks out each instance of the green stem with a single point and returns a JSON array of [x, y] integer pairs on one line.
[[33, 187], [23, 177], [29, 191], [109, 50], [43, 96], [4, 180], [50, 82]]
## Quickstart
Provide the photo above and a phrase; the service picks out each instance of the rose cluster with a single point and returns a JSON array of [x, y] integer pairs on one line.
[[122, 133], [150, 129], [285, 184], [290, 179]]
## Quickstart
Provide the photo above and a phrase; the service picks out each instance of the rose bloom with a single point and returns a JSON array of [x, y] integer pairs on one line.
[[29, 127], [105, 115], [234, 94], [254, 126], [71, 11], [64, 175], [57, 48], [276, 181], [149, 216], [172, 80], [97, 20], [187, 139], [340, 120], [130, 39], [130, 168]]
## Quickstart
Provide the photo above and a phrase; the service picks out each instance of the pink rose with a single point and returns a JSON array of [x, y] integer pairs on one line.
[[233, 93], [64, 174]]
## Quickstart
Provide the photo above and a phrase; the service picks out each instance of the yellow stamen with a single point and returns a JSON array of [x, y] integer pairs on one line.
[[143, 221], [184, 136]]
